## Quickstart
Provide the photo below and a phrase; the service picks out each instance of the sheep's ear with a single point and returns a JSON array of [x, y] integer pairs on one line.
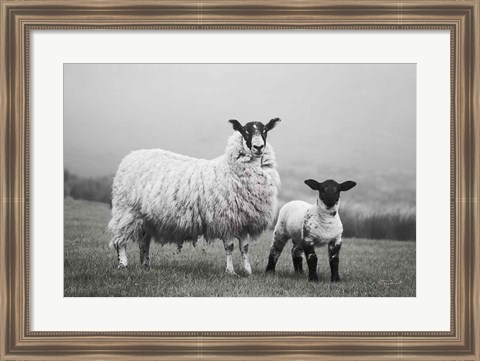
[[272, 123], [345, 186], [313, 184], [236, 125]]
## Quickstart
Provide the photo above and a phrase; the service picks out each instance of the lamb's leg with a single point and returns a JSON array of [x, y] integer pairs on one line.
[[297, 259], [276, 250], [144, 245], [312, 259], [244, 249], [228, 245], [334, 258]]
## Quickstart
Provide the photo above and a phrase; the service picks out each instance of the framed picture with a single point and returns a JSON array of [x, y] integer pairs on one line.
[[241, 180]]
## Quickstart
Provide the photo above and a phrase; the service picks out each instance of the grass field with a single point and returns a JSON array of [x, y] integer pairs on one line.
[[368, 268]]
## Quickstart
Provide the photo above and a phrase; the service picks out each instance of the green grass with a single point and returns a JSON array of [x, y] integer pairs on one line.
[[368, 268]]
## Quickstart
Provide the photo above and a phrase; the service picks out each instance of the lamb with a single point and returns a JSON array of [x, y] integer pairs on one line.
[[172, 198], [310, 225]]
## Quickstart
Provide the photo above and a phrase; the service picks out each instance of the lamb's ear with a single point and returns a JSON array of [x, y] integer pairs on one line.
[[345, 186], [272, 124], [313, 184], [236, 125]]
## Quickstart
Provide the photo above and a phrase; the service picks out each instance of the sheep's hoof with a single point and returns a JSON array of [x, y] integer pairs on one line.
[[145, 262], [335, 279], [230, 271], [121, 265]]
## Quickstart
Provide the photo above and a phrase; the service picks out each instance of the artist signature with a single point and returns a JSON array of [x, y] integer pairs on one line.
[[389, 282]]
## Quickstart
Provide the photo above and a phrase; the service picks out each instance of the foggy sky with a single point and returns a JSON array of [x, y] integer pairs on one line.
[[358, 116]]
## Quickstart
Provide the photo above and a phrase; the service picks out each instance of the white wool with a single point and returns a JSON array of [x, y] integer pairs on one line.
[[299, 221], [176, 198]]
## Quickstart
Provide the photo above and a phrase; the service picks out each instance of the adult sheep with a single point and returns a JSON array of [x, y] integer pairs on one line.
[[172, 198]]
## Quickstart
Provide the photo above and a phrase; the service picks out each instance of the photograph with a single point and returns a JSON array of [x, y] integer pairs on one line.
[[239, 180]]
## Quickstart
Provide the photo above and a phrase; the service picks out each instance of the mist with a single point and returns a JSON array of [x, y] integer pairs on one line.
[[337, 119]]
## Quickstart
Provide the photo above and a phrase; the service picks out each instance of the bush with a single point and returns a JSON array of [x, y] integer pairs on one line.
[[377, 223], [90, 189]]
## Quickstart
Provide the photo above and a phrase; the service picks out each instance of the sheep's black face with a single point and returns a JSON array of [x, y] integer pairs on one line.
[[255, 134], [329, 191]]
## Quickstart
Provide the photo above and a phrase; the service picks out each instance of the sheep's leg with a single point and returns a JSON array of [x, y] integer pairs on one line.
[[121, 254], [144, 245], [244, 249], [297, 259], [312, 259], [334, 258], [228, 245], [276, 250], [179, 247]]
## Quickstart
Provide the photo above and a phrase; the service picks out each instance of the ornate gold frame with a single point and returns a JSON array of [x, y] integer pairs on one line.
[[18, 17]]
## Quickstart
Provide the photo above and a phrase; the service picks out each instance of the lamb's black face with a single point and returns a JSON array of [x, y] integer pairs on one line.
[[255, 134], [329, 191]]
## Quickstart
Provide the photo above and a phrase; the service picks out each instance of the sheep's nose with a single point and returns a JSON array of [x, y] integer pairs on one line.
[[258, 147]]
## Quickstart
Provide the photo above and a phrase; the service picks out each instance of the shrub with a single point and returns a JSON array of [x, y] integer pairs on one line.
[[90, 189]]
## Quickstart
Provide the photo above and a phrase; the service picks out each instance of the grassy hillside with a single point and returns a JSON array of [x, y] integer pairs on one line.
[[367, 267], [381, 206]]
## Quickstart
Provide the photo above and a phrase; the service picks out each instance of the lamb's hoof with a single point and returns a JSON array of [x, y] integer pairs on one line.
[[270, 269], [313, 278], [121, 265], [248, 271], [335, 279]]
